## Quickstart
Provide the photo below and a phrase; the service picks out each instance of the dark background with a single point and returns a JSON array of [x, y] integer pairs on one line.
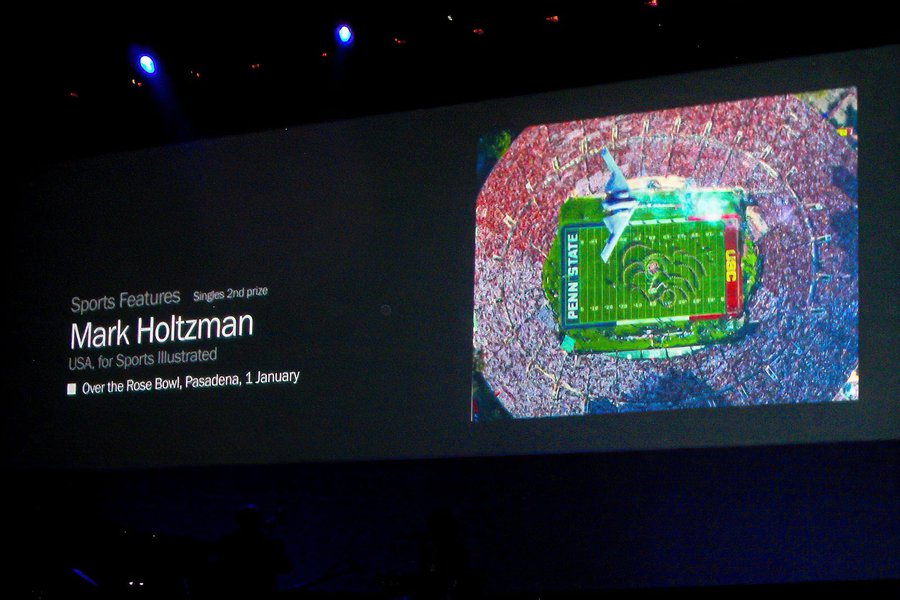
[[816, 514]]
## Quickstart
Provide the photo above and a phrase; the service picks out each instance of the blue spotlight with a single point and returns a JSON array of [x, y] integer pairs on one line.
[[344, 34], [147, 64]]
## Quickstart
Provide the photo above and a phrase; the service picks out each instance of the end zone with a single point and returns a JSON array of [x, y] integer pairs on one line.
[[734, 293]]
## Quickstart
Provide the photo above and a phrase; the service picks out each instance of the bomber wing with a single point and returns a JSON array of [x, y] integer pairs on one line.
[[619, 203]]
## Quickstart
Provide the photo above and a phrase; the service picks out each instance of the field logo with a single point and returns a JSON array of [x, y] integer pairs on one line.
[[572, 276], [730, 266]]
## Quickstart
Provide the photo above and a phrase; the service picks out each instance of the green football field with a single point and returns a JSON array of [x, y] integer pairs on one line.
[[660, 270]]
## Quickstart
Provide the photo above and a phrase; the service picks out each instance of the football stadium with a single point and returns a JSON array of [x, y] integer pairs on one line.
[[719, 269]]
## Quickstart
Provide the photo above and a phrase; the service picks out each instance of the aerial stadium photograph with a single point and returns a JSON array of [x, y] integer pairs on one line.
[[703, 256]]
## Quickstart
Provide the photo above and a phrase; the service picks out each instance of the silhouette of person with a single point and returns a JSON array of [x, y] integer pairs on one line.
[[248, 561], [443, 560]]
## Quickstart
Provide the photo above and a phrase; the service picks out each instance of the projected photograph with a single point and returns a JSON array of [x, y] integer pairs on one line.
[[703, 256]]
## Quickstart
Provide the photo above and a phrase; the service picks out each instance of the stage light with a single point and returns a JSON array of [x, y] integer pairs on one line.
[[344, 34], [148, 65]]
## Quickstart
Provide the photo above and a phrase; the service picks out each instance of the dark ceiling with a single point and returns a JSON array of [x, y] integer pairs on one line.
[[75, 89]]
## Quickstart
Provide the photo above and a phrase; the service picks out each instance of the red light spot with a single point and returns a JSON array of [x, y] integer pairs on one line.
[[399, 42], [652, 3], [73, 94], [324, 55], [553, 19], [478, 31], [255, 66]]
